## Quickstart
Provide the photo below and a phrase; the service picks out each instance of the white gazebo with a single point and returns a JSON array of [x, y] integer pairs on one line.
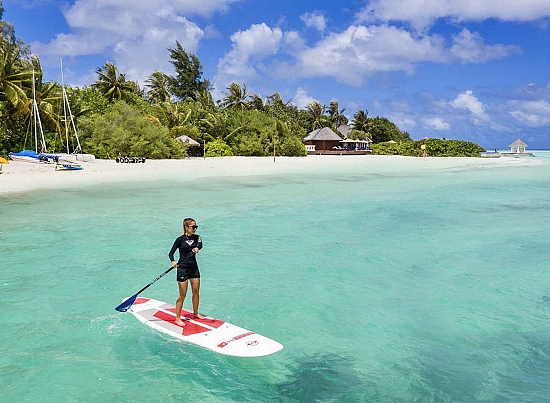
[[518, 147]]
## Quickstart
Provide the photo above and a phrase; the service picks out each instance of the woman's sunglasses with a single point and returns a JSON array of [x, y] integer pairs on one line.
[[192, 226]]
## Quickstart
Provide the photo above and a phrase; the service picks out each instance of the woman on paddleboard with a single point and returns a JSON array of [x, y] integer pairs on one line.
[[188, 244]]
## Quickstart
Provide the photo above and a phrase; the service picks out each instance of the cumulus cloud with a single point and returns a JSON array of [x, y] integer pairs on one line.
[[531, 113], [301, 99], [423, 13], [314, 20], [404, 121], [249, 47], [468, 101], [436, 123], [469, 47], [136, 37], [355, 54]]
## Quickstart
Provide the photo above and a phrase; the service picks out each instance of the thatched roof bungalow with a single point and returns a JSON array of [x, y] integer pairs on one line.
[[321, 139], [345, 130]]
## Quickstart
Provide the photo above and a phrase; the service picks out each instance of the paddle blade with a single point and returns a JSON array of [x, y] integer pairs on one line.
[[126, 304]]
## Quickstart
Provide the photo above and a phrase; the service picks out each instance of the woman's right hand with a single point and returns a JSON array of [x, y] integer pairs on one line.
[[174, 263]]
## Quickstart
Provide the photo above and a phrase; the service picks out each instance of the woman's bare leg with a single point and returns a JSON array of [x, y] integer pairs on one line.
[[179, 302], [195, 286]]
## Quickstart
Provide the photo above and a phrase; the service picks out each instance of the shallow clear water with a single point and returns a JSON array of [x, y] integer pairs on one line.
[[384, 285]]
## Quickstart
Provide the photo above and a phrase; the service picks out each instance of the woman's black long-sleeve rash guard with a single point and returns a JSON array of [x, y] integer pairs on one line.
[[186, 244]]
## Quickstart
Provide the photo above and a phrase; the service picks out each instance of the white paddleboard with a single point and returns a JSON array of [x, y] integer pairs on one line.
[[213, 334]]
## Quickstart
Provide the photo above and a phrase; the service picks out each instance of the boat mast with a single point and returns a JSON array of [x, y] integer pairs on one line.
[[64, 107], [67, 110], [36, 113]]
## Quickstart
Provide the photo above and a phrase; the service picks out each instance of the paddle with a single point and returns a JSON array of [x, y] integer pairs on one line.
[[127, 303]]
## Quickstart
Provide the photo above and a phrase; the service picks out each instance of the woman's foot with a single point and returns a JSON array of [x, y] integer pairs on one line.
[[198, 316], [179, 322]]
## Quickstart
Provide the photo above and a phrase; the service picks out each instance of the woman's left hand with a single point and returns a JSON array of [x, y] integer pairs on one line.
[[196, 250]]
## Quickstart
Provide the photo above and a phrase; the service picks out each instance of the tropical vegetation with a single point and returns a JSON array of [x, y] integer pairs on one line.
[[115, 116]]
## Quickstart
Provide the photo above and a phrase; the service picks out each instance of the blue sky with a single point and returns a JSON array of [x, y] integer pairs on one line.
[[460, 69]]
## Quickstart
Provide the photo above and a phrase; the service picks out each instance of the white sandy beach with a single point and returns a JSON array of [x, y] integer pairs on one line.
[[20, 177]]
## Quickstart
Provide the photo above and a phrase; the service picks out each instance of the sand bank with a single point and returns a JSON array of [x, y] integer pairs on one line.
[[20, 177]]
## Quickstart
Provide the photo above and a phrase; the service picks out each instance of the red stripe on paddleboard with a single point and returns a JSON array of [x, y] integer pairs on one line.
[[140, 301], [225, 343], [189, 328], [215, 323]]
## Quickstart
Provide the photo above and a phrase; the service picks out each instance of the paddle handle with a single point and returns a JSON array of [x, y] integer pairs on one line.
[[155, 280]]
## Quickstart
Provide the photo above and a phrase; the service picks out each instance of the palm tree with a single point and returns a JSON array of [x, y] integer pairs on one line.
[[204, 100], [215, 127], [275, 100], [361, 121], [317, 115], [235, 97], [281, 129], [336, 115], [15, 74], [112, 84], [158, 84], [47, 97], [256, 102]]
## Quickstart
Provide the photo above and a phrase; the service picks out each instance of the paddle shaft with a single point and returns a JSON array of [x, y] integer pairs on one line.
[[152, 282]]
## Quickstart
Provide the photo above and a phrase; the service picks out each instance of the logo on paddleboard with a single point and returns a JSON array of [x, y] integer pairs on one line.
[[252, 343], [225, 343]]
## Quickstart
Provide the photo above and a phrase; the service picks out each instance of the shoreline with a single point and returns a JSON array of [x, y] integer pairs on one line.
[[21, 177]]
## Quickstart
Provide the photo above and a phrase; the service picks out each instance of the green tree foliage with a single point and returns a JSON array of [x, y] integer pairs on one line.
[[235, 97], [361, 121], [177, 118], [215, 127], [297, 120], [433, 147], [87, 100], [124, 131], [188, 81], [15, 77], [203, 101], [317, 115], [257, 133], [15, 72], [158, 85], [113, 85], [256, 102], [48, 99], [292, 147], [218, 148], [336, 115], [382, 129]]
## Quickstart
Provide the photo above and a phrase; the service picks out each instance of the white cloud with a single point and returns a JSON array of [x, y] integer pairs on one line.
[[136, 37], [468, 101], [302, 99], [259, 41], [249, 47], [359, 51], [469, 47], [531, 113], [403, 121], [423, 13], [436, 123], [314, 20]]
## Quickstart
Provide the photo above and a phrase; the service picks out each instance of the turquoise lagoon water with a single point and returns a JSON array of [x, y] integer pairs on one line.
[[384, 284]]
